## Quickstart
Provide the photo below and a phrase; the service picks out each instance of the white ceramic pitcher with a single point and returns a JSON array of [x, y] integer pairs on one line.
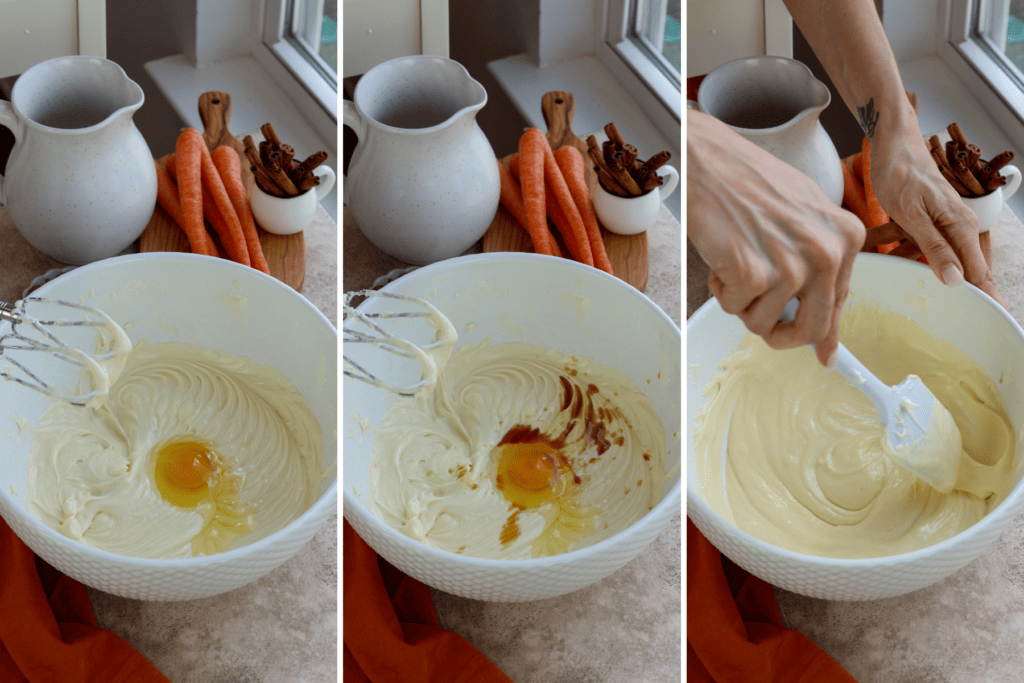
[[775, 103], [422, 183], [80, 183]]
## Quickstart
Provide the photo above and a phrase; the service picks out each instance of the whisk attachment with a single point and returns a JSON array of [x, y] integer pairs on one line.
[[31, 336], [431, 355]]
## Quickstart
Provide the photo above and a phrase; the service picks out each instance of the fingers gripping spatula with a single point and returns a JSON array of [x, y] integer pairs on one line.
[[919, 432]]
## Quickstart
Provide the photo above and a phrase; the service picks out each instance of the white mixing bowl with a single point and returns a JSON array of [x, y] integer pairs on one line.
[[195, 300], [962, 315], [539, 300]]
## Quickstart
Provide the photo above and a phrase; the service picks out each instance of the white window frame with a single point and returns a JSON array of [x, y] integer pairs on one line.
[[315, 94], [979, 68], [659, 97]]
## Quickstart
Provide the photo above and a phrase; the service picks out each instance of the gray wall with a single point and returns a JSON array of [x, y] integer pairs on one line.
[[139, 31], [481, 31]]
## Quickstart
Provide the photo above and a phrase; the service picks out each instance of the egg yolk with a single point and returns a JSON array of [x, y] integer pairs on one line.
[[183, 471], [528, 473]]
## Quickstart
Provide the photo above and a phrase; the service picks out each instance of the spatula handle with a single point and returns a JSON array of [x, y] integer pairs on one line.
[[847, 364]]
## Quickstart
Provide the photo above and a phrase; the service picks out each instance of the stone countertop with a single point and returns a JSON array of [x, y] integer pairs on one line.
[[626, 627], [282, 627], [964, 628]]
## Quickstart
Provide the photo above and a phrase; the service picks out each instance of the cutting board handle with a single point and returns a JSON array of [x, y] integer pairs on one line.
[[215, 112], [558, 108]]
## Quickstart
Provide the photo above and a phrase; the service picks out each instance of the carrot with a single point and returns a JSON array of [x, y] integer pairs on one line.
[[549, 202], [229, 228], [532, 176], [558, 217], [570, 161], [209, 210], [167, 196], [229, 166], [188, 156], [853, 195], [579, 245], [876, 214]]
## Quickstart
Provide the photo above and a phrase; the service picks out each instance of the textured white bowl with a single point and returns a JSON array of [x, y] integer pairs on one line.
[[540, 300], [962, 315], [195, 300]]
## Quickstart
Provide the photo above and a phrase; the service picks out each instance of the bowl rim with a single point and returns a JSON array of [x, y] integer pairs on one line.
[[1010, 504], [324, 503], [671, 499]]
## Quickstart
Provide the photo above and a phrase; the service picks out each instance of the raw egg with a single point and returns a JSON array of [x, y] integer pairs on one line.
[[183, 472], [528, 473], [533, 473], [189, 473]]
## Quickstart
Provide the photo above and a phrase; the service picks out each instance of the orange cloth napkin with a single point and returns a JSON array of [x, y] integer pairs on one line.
[[48, 631], [391, 631], [734, 630]]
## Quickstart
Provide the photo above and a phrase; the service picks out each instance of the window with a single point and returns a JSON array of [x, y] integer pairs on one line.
[[315, 29], [658, 31], [985, 47], [643, 48], [300, 47]]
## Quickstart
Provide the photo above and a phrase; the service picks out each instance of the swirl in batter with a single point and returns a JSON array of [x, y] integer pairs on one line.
[[805, 468], [519, 451], [253, 456]]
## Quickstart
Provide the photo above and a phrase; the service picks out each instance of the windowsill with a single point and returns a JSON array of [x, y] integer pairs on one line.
[[600, 99], [944, 99], [255, 100]]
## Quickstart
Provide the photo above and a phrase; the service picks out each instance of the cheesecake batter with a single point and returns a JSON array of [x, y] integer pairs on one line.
[[93, 472], [518, 451], [804, 464]]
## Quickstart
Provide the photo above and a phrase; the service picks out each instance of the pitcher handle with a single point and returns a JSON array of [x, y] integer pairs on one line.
[[9, 120], [352, 119]]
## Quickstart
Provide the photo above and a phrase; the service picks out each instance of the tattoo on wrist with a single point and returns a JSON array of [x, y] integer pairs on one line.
[[868, 117]]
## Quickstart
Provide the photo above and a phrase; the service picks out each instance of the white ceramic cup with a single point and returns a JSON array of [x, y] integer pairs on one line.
[[289, 215], [632, 215], [988, 207]]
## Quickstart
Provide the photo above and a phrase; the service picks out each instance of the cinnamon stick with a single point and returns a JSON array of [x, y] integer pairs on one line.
[[265, 182], [966, 177], [994, 182], [652, 182], [270, 134], [603, 174], [612, 131], [281, 178], [631, 153], [287, 154], [310, 163], [1000, 160], [625, 180], [311, 181], [658, 160], [957, 135]]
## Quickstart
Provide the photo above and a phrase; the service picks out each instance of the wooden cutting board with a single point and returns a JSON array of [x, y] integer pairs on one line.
[[285, 254], [628, 253]]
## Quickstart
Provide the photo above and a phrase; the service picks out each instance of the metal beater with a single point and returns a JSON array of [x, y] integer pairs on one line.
[[29, 336], [382, 339]]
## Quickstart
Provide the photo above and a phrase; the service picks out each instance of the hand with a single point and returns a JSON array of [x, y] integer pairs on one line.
[[768, 233], [910, 188]]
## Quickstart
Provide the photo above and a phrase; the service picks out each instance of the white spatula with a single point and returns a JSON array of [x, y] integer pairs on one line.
[[919, 432]]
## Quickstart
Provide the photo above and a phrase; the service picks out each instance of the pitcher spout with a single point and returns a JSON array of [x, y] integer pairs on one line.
[[77, 92]]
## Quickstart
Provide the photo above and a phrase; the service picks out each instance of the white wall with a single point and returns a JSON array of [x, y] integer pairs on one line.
[[912, 27]]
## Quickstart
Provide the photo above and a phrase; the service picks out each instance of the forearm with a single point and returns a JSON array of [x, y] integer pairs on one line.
[[848, 38]]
